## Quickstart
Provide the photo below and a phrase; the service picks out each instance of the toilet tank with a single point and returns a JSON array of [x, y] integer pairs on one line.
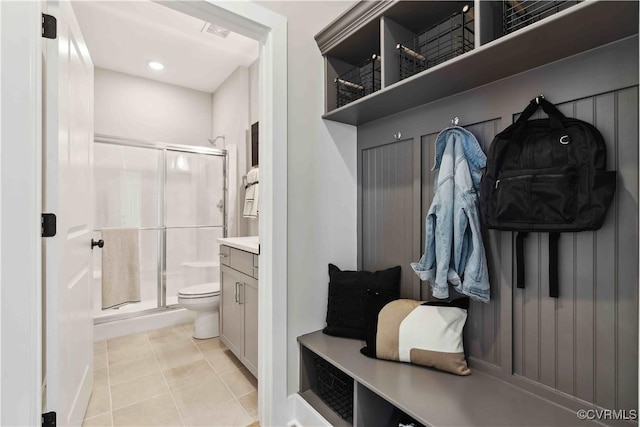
[[198, 272]]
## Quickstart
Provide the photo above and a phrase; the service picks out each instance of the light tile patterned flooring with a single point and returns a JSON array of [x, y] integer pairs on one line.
[[167, 378]]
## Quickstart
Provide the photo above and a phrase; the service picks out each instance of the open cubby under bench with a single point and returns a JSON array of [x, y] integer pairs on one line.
[[431, 397]]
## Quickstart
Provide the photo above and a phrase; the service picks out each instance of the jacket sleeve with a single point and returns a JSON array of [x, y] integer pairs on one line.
[[473, 261], [443, 237], [426, 267], [462, 241]]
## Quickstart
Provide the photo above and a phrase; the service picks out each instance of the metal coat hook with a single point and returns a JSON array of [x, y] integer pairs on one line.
[[455, 121]]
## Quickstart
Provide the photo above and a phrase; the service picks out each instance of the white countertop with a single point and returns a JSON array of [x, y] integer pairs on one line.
[[248, 244]]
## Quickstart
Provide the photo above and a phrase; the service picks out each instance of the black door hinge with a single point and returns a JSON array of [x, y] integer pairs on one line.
[[49, 26], [48, 228], [49, 419]]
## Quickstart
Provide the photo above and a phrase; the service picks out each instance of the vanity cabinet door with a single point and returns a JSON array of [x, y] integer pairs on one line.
[[250, 313], [230, 309]]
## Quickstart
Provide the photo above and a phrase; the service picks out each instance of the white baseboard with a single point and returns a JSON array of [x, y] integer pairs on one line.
[[302, 414], [119, 328]]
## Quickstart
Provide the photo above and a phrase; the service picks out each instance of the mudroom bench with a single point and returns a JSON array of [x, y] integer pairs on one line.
[[349, 389]]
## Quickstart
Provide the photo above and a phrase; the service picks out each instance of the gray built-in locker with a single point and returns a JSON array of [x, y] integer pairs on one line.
[[583, 345]]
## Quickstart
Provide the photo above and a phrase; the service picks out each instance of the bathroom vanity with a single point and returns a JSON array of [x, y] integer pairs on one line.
[[239, 298]]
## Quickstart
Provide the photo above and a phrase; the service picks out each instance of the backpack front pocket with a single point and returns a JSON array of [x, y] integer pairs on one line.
[[513, 198], [541, 196]]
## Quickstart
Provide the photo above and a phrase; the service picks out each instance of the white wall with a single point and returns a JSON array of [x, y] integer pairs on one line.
[[137, 108], [321, 178], [254, 106], [231, 119]]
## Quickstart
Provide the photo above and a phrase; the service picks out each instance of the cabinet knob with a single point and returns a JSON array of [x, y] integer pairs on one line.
[[397, 135], [223, 255]]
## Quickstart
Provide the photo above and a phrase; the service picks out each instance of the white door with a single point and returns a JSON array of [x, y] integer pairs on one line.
[[68, 152]]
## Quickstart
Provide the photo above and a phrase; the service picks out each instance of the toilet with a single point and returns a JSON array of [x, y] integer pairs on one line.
[[204, 299]]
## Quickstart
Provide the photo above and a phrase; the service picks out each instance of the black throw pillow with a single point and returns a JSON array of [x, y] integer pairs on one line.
[[346, 308]]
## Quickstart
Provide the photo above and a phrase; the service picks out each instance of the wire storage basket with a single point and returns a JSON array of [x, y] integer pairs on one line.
[[445, 40], [335, 388], [518, 14], [359, 81]]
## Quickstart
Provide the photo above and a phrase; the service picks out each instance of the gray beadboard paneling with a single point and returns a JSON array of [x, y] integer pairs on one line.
[[604, 267], [388, 202], [484, 318], [583, 331], [546, 329], [577, 344], [565, 319], [427, 178], [626, 267]]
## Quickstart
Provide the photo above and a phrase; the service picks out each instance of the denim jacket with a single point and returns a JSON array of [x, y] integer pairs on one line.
[[454, 252]]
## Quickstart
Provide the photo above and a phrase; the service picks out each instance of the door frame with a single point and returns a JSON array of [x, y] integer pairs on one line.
[[21, 202]]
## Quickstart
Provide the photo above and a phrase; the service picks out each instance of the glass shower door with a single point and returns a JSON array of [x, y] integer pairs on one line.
[[128, 195], [194, 219]]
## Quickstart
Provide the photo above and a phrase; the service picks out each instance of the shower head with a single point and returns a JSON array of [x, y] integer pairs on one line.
[[213, 141]]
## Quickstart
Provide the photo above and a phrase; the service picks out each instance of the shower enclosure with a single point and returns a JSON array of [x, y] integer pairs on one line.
[[176, 197]]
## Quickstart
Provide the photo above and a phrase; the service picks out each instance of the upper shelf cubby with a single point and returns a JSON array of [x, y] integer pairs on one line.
[[556, 34], [418, 35], [353, 67]]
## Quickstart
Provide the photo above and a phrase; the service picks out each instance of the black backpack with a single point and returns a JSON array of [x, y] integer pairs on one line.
[[546, 175]]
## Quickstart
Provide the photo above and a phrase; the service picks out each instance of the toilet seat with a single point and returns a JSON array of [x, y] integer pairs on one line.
[[204, 290]]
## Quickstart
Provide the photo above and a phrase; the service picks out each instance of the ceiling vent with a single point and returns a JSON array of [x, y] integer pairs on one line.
[[215, 30]]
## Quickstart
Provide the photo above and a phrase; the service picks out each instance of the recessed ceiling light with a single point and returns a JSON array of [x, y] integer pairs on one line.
[[155, 65]]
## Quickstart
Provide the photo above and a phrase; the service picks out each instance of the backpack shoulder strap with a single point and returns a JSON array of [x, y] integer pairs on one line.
[[553, 264], [522, 235]]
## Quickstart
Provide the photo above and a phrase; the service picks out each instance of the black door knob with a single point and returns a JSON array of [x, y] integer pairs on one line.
[[99, 243]]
